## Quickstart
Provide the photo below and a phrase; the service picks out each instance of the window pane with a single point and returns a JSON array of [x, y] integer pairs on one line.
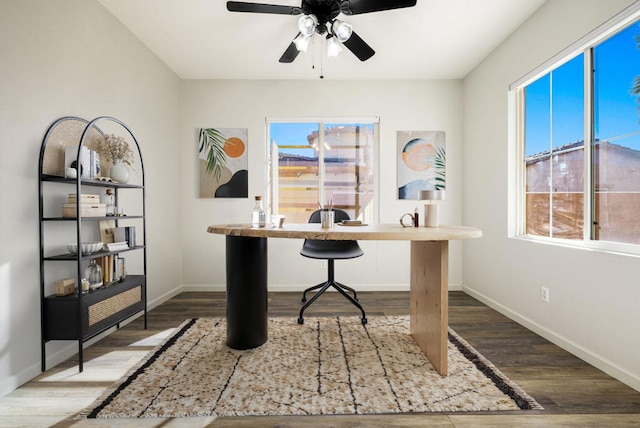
[[538, 214], [554, 152], [568, 215], [296, 192], [321, 163], [616, 151], [348, 178], [538, 116]]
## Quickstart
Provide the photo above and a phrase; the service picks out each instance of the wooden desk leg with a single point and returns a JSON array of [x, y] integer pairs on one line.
[[429, 300]]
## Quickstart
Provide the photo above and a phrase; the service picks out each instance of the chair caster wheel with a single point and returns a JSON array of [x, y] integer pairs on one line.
[[364, 321], [300, 320]]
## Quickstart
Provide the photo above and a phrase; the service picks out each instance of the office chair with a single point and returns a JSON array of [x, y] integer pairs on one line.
[[330, 251]]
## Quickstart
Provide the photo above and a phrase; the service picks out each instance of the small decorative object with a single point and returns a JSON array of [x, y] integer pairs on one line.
[[64, 287], [78, 160], [431, 216], [121, 273], [258, 216], [70, 172], [110, 202], [87, 247], [327, 218], [116, 150], [119, 172], [85, 285], [406, 220], [277, 220], [93, 273]]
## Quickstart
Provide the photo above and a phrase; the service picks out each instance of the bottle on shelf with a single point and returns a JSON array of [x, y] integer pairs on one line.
[[93, 273], [110, 202], [258, 215]]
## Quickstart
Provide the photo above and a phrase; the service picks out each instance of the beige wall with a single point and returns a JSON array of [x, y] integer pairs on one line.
[[593, 308], [407, 106], [72, 57]]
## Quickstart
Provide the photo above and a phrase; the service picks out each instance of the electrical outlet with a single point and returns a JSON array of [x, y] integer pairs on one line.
[[544, 294], [323, 264]]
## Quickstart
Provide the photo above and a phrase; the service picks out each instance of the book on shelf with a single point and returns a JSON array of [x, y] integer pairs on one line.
[[117, 246], [109, 265], [126, 234], [103, 262]]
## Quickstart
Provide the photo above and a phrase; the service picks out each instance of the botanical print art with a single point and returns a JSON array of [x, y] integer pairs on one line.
[[421, 162], [223, 162]]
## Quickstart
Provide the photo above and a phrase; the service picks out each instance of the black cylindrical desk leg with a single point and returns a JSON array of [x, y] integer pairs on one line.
[[246, 292]]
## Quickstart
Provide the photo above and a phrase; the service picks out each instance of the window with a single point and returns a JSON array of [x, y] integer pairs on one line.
[[616, 146], [312, 163], [593, 95], [554, 154]]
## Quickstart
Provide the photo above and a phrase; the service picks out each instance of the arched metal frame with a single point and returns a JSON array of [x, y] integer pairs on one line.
[[79, 181]]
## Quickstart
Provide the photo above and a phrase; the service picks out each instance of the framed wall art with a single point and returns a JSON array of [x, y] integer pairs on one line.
[[421, 162], [223, 162]]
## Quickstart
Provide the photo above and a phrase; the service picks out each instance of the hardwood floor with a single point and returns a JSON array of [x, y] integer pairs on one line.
[[573, 393]]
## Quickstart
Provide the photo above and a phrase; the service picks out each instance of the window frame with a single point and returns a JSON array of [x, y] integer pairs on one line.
[[323, 120], [516, 125]]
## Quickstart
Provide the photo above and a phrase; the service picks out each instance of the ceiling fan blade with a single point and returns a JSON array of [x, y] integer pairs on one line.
[[359, 47], [290, 54], [240, 6], [356, 7]]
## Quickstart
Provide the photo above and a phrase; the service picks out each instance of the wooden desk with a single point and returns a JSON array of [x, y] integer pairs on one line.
[[246, 265]]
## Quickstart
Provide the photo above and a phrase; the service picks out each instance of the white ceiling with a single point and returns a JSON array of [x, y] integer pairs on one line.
[[436, 39]]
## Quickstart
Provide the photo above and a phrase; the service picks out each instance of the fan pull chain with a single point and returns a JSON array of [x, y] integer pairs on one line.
[[313, 57], [321, 62]]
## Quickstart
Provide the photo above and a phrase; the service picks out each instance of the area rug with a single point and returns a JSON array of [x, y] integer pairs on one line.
[[329, 365]]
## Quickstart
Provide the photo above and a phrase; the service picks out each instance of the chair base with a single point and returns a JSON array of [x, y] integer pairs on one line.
[[323, 287], [315, 287]]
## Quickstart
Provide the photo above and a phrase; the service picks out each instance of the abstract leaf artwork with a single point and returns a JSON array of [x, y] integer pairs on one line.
[[421, 162], [223, 162]]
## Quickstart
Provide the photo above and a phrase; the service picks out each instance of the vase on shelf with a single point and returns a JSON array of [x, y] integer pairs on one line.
[[119, 172]]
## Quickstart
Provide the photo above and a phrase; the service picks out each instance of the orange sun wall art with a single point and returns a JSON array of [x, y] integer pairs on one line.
[[223, 162]]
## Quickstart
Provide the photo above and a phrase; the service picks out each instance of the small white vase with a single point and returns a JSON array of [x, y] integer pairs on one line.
[[119, 172]]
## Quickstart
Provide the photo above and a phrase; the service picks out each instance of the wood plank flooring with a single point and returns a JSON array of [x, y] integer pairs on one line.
[[573, 393]]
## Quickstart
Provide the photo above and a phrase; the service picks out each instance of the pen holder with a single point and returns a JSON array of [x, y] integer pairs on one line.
[[326, 219]]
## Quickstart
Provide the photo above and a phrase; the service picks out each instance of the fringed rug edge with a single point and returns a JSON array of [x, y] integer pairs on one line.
[[105, 398], [502, 382]]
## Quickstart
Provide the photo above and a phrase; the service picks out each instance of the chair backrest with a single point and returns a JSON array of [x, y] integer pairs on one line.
[[323, 249]]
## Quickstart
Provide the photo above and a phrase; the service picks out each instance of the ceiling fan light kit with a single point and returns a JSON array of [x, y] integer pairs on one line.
[[307, 24], [319, 16], [302, 42], [341, 30], [333, 46]]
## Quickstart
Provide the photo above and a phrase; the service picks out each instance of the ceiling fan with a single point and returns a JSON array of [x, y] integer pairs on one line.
[[320, 16]]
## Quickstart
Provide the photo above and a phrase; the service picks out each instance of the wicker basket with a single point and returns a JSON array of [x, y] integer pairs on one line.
[[104, 309]]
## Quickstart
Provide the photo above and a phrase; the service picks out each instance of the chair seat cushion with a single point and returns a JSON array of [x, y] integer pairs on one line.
[[318, 249]]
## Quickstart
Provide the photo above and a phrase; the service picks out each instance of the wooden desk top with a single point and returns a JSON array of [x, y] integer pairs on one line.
[[376, 232]]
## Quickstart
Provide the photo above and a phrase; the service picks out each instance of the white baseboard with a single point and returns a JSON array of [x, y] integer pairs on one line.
[[300, 288], [595, 360]]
